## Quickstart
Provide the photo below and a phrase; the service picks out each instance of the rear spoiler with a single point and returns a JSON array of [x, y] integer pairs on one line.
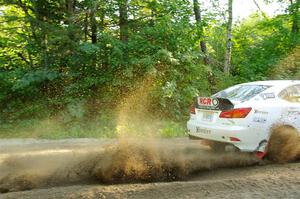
[[213, 103]]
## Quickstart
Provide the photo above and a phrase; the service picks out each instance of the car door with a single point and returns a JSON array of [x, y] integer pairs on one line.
[[291, 110]]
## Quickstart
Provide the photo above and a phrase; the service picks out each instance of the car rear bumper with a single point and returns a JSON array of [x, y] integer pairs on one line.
[[222, 133]]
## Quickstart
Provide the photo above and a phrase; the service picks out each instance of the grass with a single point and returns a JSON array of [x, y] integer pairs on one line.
[[102, 127]]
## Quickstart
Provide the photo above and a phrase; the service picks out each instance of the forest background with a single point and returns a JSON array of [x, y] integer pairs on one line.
[[96, 68]]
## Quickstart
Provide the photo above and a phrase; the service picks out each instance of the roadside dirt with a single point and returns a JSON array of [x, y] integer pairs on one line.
[[136, 168]]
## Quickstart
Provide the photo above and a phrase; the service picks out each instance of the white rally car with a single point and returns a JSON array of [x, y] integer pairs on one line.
[[242, 116]]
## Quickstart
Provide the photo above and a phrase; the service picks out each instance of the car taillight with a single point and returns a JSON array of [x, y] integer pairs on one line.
[[193, 109], [235, 113], [234, 139]]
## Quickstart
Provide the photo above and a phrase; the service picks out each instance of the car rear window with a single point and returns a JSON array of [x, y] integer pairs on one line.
[[241, 92]]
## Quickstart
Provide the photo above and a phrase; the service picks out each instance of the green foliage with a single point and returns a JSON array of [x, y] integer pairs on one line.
[[33, 79], [172, 129], [260, 44], [289, 67]]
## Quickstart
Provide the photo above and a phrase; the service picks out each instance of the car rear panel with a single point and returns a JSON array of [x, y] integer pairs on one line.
[[218, 132], [207, 124], [207, 116], [223, 130], [223, 134], [207, 110]]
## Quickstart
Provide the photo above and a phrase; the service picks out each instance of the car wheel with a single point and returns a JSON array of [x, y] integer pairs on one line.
[[284, 144]]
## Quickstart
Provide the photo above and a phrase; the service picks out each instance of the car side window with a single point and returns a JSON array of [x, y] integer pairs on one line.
[[291, 94]]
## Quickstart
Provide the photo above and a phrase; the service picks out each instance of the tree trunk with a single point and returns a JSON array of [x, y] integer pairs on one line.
[[31, 21], [202, 44], [153, 13], [294, 11], [45, 42], [123, 20], [86, 25], [93, 26], [70, 6], [102, 19], [260, 10], [70, 19], [228, 40]]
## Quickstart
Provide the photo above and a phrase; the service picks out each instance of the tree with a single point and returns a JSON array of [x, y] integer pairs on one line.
[[229, 39], [294, 12], [202, 44], [123, 20], [93, 25], [55, 52], [260, 10]]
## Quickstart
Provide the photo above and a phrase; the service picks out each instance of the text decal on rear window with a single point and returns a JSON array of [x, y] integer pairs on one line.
[[207, 101]]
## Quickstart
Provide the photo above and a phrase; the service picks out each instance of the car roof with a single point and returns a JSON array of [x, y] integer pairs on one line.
[[280, 83], [277, 85]]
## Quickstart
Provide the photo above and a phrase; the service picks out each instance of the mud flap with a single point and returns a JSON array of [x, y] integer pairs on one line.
[[261, 150], [260, 155]]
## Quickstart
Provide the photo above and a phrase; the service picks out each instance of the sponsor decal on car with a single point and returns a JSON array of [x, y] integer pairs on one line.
[[259, 119], [260, 112], [267, 95], [203, 131], [207, 101], [211, 103]]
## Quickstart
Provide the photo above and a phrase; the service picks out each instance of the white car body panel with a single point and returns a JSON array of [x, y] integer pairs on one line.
[[268, 109]]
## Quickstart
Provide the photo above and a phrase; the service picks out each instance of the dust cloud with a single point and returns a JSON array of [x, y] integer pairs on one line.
[[161, 160], [284, 144], [28, 170], [135, 116]]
